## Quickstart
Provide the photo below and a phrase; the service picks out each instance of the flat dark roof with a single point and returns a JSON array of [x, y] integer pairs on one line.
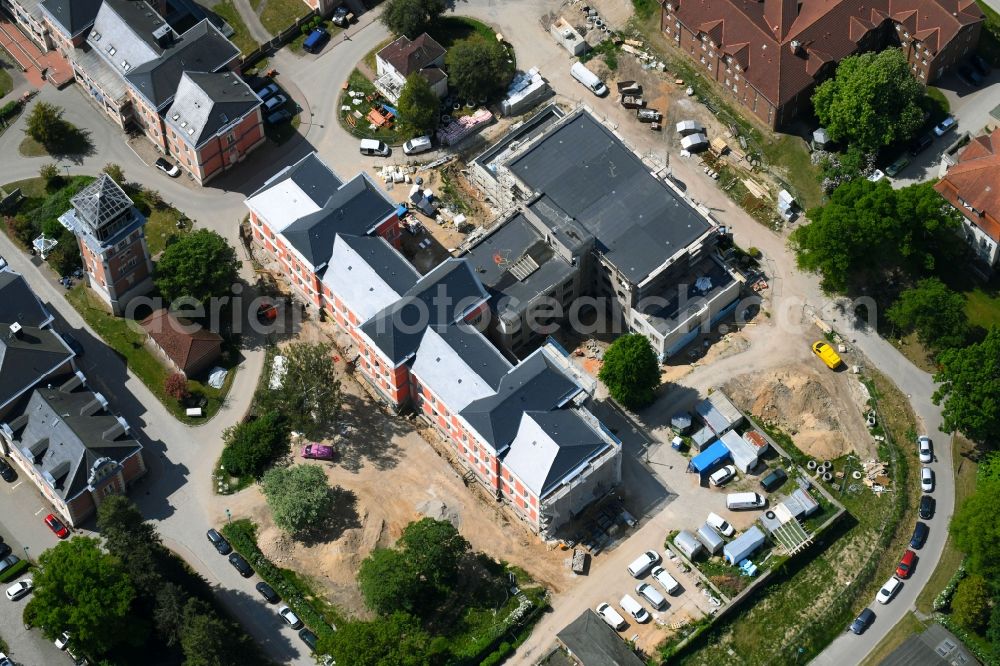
[[587, 173], [494, 257], [695, 295], [528, 130]]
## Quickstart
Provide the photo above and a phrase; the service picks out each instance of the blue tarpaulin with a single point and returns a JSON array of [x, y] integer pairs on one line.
[[709, 458]]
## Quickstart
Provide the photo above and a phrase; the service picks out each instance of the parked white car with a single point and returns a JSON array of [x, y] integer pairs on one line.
[[722, 475], [665, 580], [720, 524], [612, 617], [634, 608], [642, 564], [289, 616], [888, 590], [924, 447], [927, 479], [62, 641], [652, 595], [19, 589]]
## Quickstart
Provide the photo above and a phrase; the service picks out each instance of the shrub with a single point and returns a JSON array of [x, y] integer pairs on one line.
[[14, 571]]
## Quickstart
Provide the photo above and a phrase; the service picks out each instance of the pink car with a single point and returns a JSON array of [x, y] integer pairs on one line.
[[317, 452]]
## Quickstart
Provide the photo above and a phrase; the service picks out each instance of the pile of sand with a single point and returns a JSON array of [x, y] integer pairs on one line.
[[800, 404]]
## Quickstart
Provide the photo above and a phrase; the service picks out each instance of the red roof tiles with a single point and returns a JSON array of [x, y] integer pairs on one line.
[[974, 182]]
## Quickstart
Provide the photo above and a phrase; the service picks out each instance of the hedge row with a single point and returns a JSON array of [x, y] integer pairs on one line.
[[9, 109], [14, 571], [242, 534]]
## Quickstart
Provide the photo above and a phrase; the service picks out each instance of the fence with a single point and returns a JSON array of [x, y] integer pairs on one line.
[[279, 40]]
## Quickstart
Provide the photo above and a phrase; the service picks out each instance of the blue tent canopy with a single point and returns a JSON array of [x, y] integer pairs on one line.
[[709, 458]]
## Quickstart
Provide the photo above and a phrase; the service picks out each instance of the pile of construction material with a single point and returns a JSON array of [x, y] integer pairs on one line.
[[876, 476]]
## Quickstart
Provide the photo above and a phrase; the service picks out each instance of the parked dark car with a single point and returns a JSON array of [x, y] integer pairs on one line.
[[927, 507], [773, 481], [7, 472], [315, 41], [919, 537], [340, 16], [969, 75], [309, 638], [8, 562], [4, 550], [863, 621], [72, 343], [920, 144], [268, 593], [278, 117], [241, 565], [219, 542]]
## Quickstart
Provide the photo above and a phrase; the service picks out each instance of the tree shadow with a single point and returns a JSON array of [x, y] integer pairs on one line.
[[343, 517], [74, 146], [480, 584], [367, 436]]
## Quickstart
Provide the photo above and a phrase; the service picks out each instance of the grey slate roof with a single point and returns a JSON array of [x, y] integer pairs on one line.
[[315, 178], [355, 208], [935, 646], [577, 443], [592, 180], [20, 303], [74, 16], [407, 56], [123, 33], [27, 359], [201, 49], [438, 299], [66, 434], [533, 385], [594, 643], [391, 266], [493, 256], [207, 103]]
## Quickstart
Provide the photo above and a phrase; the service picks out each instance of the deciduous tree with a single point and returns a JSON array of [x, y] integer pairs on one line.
[[252, 446], [133, 541], [116, 173], [208, 640], [971, 604], [411, 17], [199, 265], [477, 68], [934, 311], [418, 106], [969, 389], [176, 386], [396, 640], [81, 589], [309, 396], [299, 497], [436, 549], [631, 371], [46, 125], [389, 582], [872, 101]]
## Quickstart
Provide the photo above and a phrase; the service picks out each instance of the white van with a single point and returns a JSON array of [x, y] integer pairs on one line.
[[421, 144], [642, 563], [634, 608], [612, 617], [720, 524], [580, 72], [374, 147], [666, 580], [652, 595], [736, 501]]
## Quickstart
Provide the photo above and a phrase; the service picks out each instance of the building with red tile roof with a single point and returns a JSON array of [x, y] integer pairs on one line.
[[972, 186], [769, 55], [186, 346]]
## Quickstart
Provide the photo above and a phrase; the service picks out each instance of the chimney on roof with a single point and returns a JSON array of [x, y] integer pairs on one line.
[[163, 35], [115, 431], [796, 46], [15, 330]]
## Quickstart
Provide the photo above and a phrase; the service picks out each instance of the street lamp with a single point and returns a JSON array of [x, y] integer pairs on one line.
[[229, 516], [26, 552]]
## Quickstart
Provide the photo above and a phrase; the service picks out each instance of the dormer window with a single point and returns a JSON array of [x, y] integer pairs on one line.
[[190, 131], [96, 36], [906, 35], [184, 123], [111, 49], [125, 65], [175, 116]]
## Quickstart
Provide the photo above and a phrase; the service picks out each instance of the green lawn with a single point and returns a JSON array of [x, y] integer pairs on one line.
[[951, 557], [983, 306], [31, 148], [120, 336], [359, 82], [279, 14], [905, 628], [6, 82], [244, 42]]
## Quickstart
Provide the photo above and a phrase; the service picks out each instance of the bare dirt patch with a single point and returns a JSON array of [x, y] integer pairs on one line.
[[820, 410], [386, 475]]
